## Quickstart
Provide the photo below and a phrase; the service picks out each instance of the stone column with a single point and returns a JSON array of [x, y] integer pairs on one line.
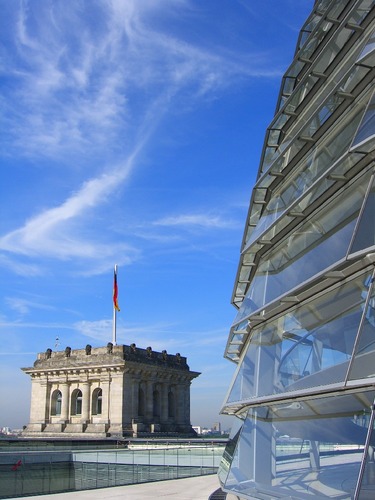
[[187, 403], [134, 398], [85, 402], [149, 401], [46, 395], [39, 401], [64, 388], [116, 401], [180, 404], [104, 385], [164, 403], [128, 400]]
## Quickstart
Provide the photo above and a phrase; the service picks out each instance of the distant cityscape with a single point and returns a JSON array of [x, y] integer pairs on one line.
[[8, 432], [215, 430]]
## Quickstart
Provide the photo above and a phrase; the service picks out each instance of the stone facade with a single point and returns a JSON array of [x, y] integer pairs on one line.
[[111, 391]]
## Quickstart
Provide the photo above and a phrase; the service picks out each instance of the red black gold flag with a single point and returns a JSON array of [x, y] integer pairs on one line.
[[115, 292]]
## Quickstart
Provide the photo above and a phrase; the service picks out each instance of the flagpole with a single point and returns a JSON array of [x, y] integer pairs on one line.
[[114, 327], [114, 308]]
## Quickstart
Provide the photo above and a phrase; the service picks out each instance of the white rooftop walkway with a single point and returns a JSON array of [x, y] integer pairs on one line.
[[192, 488]]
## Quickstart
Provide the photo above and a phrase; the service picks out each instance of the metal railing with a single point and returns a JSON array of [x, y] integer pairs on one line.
[[40, 472]]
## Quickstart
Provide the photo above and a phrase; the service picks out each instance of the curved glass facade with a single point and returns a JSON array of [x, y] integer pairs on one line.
[[303, 337]]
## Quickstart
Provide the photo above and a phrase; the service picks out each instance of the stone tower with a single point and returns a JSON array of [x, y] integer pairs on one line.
[[110, 391]]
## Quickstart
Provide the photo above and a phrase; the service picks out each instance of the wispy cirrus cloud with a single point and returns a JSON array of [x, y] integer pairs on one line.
[[98, 91], [158, 335], [23, 306], [81, 92], [55, 233], [20, 268], [196, 220]]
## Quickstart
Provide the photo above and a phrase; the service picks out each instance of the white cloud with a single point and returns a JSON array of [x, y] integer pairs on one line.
[[75, 91], [158, 335], [154, 334], [200, 220], [20, 268], [23, 306], [79, 95], [100, 330], [52, 234]]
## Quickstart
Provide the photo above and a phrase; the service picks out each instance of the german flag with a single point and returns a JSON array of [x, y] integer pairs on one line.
[[115, 291]]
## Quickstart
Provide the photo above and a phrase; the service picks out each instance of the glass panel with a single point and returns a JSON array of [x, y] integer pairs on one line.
[[306, 449], [58, 404], [229, 451], [76, 402], [363, 364], [79, 403], [332, 49], [248, 306], [243, 387], [99, 405], [365, 233], [367, 487], [319, 160], [306, 348], [357, 74], [366, 131], [300, 93], [312, 247], [368, 53], [316, 39], [289, 83], [361, 11], [340, 169], [268, 228]]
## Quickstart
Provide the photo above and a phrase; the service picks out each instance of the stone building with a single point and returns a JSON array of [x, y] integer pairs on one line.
[[109, 391]]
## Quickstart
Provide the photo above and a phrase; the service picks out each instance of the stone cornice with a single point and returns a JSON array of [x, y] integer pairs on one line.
[[129, 359], [59, 371]]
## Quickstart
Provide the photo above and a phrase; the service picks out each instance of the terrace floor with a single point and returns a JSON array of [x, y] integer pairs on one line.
[[192, 488]]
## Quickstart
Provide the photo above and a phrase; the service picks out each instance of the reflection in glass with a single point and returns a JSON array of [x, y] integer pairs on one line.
[[310, 448], [308, 347], [56, 401], [363, 363], [365, 232], [230, 448], [96, 404], [76, 402], [366, 131], [366, 484], [368, 52], [315, 245]]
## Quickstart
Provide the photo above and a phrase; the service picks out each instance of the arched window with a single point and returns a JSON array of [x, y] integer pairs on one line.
[[56, 403], [97, 401], [171, 405], [156, 403], [141, 402], [76, 406]]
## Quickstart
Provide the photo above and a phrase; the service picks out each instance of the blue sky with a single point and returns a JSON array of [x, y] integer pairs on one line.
[[131, 135]]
